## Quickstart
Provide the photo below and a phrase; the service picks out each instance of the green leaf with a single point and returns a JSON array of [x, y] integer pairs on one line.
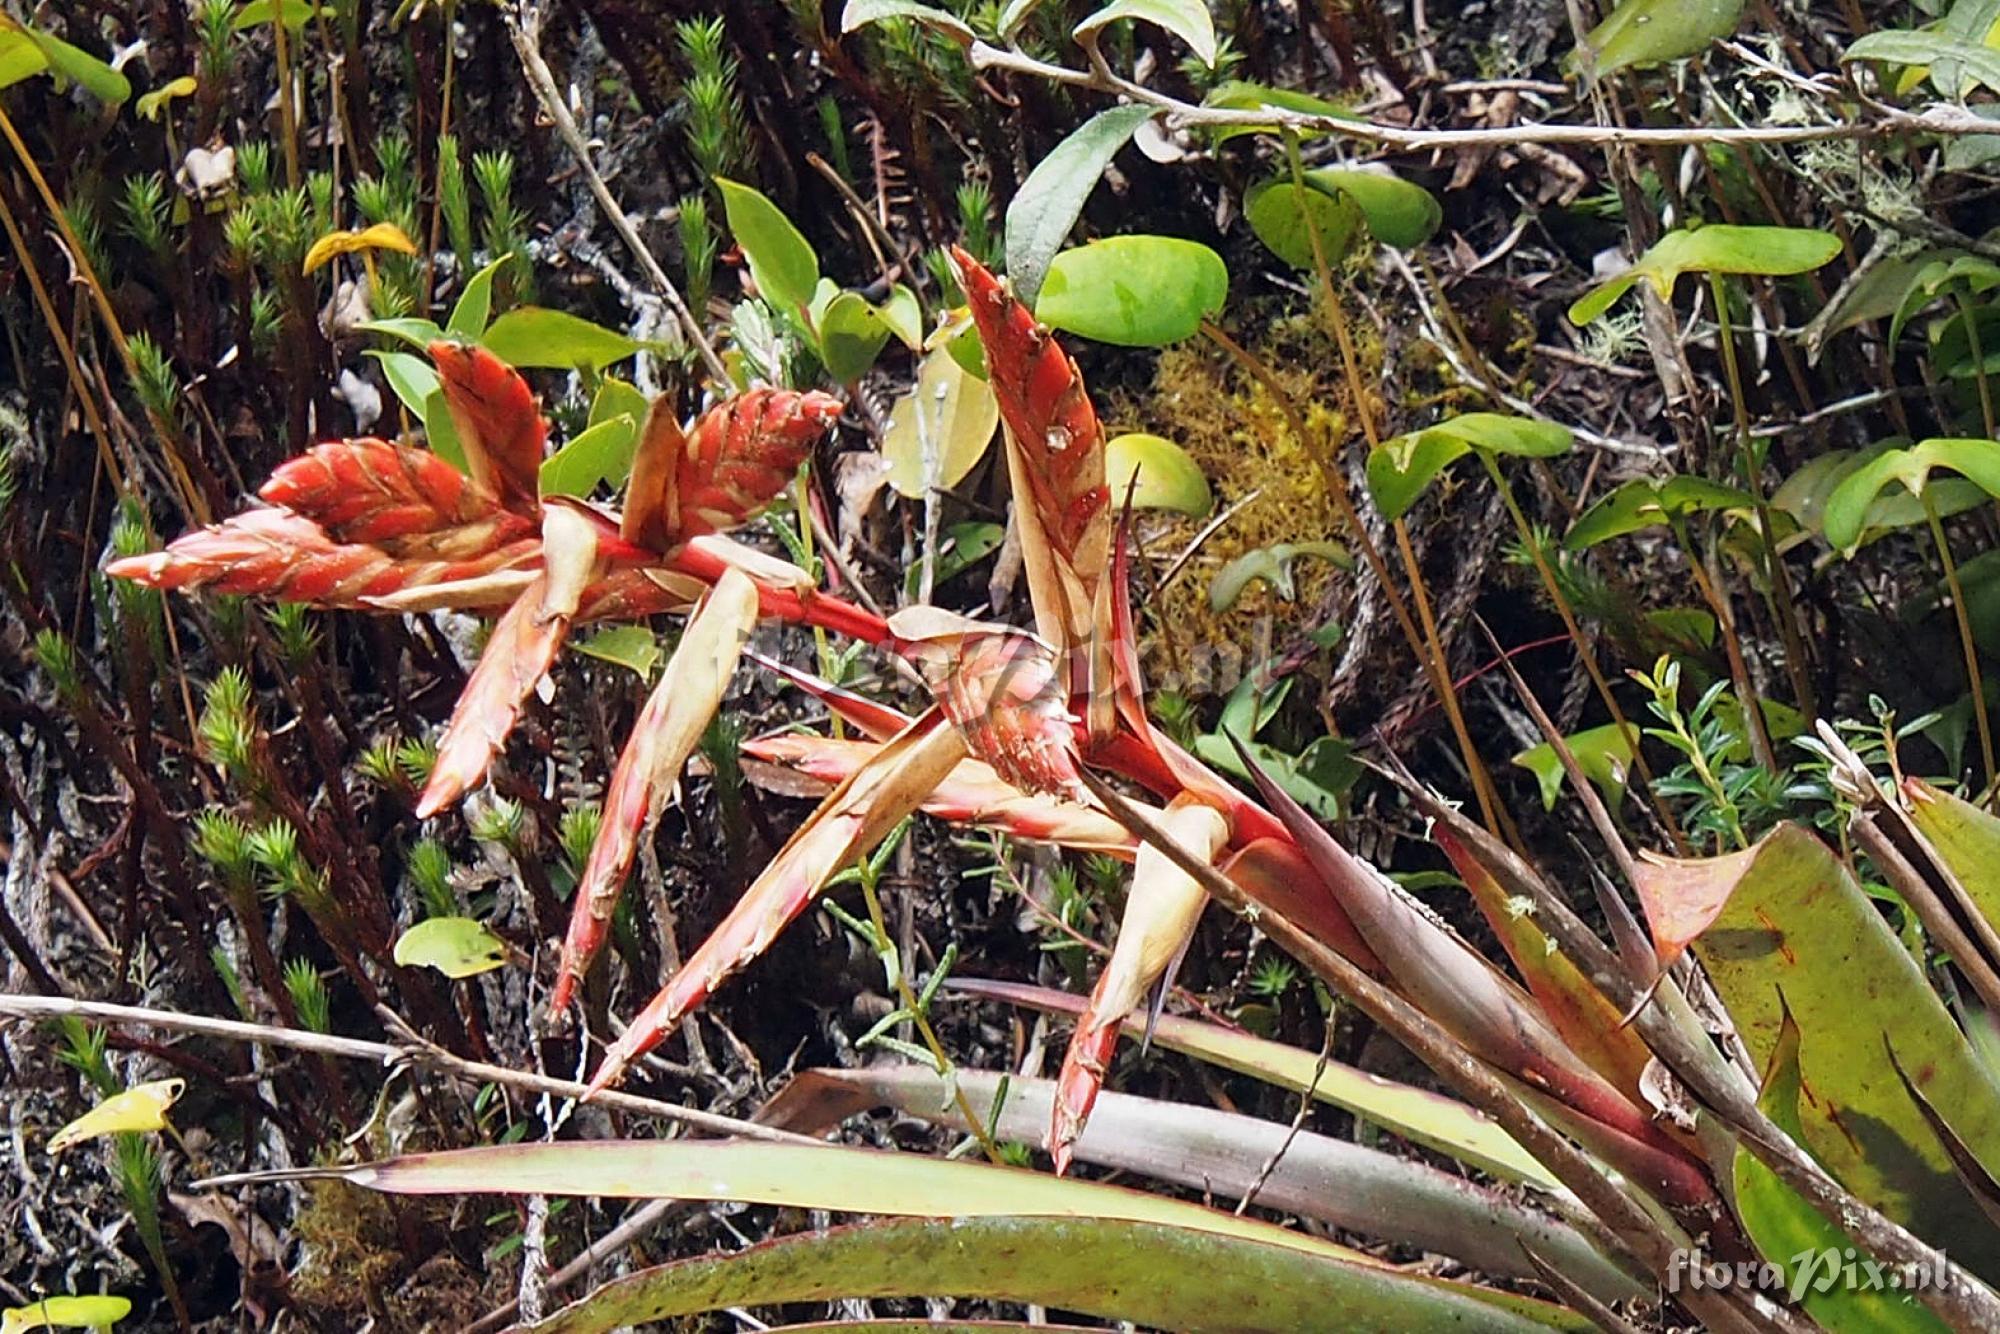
[[1273, 565], [904, 316], [20, 58], [1399, 470], [1952, 61], [1188, 20], [1135, 291], [1792, 922], [1160, 1277], [860, 13], [66, 63], [965, 545], [292, 13], [455, 946], [411, 377], [1847, 508], [1965, 839], [534, 336], [940, 428], [1432, 1119], [1047, 204], [1651, 32], [1643, 503], [912, 1185], [1282, 215], [851, 335], [441, 431], [1772, 251], [1603, 753], [1240, 95], [1317, 777], [1398, 213], [1784, 1226], [65, 1313], [630, 646], [418, 333], [1167, 478], [474, 306], [782, 262], [601, 452]]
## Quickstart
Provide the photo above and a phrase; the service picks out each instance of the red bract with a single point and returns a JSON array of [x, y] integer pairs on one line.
[[738, 457]]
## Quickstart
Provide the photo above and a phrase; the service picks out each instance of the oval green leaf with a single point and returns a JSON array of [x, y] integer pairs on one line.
[[474, 307], [65, 1313], [455, 946], [1398, 213], [1166, 478], [1771, 251], [782, 262], [1283, 215], [1651, 32], [1188, 20], [1047, 204], [535, 336], [1400, 469], [861, 13], [1642, 503], [599, 453], [851, 335], [1847, 509], [1135, 291]]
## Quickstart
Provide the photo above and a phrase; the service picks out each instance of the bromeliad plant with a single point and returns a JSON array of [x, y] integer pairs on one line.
[[1593, 1062]]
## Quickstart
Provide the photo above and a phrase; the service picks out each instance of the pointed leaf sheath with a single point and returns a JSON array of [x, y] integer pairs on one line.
[[667, 730], [520, 652], [499, 424], [1160, 917], [1002, 688], [971, 795], [855, 817], [738, 457], [282, 555]]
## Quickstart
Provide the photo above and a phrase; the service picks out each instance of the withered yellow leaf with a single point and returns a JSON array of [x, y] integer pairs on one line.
[[65, 1313], [142, 1107], [382, 236]]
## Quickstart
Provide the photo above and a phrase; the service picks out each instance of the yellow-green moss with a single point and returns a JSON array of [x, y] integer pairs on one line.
[[1237, 431]]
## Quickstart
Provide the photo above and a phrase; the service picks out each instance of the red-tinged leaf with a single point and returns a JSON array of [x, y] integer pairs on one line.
[[373, 491], [792, 599], [633, 595], [738, 457], [282, 555], [1222, 1153], [520, 652], [499, 424], [1002, 688], [666, 732], [1585, 1018], [1161, 913], [1682, 897], [1277, 875], [1465, 994], [972, 794], [858, 814], [877, 721]]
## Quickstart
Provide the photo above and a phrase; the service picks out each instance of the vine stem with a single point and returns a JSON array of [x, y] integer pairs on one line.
[[1965, 640], [1431, 649], [524, 27], [1939, 118], [1784, 609]]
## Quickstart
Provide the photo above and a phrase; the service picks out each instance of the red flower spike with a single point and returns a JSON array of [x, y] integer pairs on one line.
[[499, 424], [740, 455], [282, 555], [372, 491]]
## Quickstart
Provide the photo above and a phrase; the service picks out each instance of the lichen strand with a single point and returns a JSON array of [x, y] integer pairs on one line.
[[1236, 430]]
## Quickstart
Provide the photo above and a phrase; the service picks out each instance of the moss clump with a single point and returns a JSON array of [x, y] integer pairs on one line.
[[1237, 430], [355, 1263]]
